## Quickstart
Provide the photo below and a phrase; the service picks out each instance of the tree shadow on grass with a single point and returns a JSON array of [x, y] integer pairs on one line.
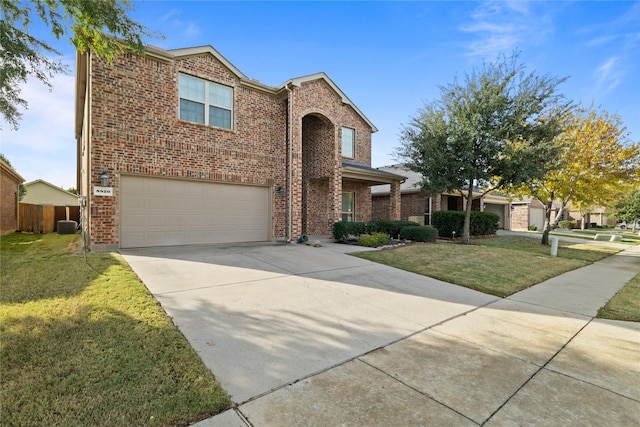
[[95, 365]]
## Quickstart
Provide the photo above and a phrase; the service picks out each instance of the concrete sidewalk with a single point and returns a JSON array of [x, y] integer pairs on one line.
[[309, 336]]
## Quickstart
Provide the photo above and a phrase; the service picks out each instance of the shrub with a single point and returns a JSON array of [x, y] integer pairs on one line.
[[382, 238], [343, 229], [446, 222], [533, 227], [388, 227], [564, 224], [367, 240], [372, 239], [482, 223], [419, 233]]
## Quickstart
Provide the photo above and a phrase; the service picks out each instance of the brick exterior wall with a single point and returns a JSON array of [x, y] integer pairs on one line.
[[136, 130], [362, 202], [319, 111], [9, 203], [380, 207], [412, 204], [131, 126], [520, 217]]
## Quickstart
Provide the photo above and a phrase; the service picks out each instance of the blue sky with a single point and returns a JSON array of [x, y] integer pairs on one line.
[[388, 57]]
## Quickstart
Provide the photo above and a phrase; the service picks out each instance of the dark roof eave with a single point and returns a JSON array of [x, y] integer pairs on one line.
[[371, 176]]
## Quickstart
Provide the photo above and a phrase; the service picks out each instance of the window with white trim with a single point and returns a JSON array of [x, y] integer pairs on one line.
[[202, 101], [347, 206], [348, 138]]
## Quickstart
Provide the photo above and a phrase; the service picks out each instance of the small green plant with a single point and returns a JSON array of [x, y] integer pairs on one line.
[[373, 239], [533, 227], [419, 233]]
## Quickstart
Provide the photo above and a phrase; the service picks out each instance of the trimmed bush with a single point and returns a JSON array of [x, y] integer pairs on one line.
[[343, 229], [446, 222], [391, 228], [374, 239], [482, 223], [533, 227], [419, 233]]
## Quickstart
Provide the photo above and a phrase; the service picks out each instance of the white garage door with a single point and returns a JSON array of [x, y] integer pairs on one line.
[[536, 217], [167, 212]]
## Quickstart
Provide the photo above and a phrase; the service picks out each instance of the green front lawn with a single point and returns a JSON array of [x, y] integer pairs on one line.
[[498, 266], [625, 305], [91, 346]]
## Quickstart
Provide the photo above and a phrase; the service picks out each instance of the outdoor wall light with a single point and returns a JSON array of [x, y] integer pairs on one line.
[[280, 190], [104, 179]]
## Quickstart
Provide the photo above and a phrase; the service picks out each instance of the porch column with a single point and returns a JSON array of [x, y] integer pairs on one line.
[[394, 201]]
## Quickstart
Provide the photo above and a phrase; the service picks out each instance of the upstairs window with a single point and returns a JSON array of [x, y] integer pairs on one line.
[[348, 137], [205, 102]]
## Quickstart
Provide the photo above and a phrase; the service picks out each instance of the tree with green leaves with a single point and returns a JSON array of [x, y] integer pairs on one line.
[[628, 208], [596, 162], [99, 26], [490, 130]]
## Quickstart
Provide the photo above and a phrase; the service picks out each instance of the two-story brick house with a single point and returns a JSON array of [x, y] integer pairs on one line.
[[180, 147]]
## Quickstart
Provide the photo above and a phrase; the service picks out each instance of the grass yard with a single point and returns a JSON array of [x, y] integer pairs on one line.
[[86, 347], [498, 266], [625, 305]]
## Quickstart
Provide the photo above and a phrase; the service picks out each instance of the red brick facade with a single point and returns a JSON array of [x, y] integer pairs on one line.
[[130, 125], [9, 188], [412, 204]]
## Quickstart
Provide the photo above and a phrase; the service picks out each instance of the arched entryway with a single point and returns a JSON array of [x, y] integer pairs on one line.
[[318, 174]]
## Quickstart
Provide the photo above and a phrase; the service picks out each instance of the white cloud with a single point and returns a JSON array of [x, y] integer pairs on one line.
[[608, 76], [500, 27], [44, 146]]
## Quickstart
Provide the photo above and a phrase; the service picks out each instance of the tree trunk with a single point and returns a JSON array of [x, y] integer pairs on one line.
[[547, 222], [548, 226], [467, 216]]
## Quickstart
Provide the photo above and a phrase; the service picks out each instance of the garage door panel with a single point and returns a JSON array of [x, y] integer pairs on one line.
[[163, 212]]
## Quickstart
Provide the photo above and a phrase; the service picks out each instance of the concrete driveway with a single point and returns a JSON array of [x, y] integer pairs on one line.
[[309, 336], [262, 317]]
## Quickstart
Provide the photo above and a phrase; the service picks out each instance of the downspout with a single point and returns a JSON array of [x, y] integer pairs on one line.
[[290, 165]]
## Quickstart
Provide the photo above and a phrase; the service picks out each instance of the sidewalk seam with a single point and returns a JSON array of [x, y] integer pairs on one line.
[[536, 372]]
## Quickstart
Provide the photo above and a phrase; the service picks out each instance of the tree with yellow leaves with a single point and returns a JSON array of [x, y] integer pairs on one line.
[[597, 162]]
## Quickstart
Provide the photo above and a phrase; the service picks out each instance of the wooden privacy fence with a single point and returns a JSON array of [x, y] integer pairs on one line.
[[44, 219]]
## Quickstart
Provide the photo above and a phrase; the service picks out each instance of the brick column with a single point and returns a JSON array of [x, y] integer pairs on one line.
[[394, 201]]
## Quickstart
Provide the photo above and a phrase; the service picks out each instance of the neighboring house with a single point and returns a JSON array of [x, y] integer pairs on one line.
[[10, 182], [593, 216], [192, 151], [416, 206], [528, 212], [40, 192]]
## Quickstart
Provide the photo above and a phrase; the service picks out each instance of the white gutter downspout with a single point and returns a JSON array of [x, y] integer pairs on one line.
[[290, 142]]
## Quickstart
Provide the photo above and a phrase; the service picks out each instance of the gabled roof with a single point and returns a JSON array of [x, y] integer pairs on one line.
[[42, 181], [4, 166], [173, 54], [410, 185], [298, 81], [41, 192], [199, 50]]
